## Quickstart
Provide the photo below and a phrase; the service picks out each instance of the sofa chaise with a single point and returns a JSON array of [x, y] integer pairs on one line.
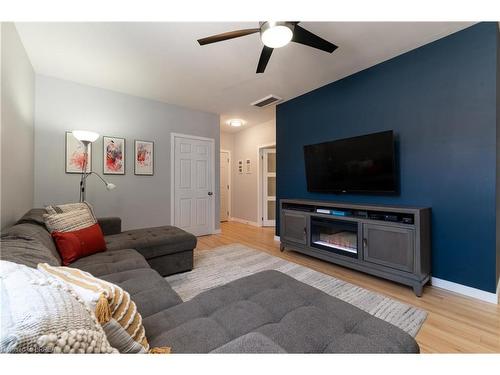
[[268, 312]]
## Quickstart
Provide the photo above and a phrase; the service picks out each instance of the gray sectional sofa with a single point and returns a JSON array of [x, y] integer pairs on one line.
[[268, 312]]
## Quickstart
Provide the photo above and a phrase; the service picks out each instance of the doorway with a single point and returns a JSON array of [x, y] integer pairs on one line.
[[268, 186], [192, 183], [225, 185]]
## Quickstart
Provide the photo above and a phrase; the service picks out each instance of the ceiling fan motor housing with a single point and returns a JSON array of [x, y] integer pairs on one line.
[[264, 25]]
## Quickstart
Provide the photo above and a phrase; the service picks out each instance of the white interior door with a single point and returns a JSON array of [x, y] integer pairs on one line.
[[193, 180], [224, 185], [268, 186]]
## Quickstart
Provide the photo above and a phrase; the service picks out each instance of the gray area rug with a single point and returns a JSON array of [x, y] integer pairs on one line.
[[227, 263]]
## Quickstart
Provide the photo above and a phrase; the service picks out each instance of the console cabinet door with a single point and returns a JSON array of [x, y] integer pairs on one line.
[[294, 227], [389, 246]]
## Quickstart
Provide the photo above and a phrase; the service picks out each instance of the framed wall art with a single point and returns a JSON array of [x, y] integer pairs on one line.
[[143, 158], [113, 151], [248, 166], [75, 155]]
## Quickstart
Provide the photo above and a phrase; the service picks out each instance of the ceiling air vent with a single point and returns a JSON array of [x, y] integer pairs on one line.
[[268, 100]]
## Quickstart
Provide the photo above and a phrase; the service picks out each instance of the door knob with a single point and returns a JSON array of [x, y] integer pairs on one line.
[[210, 193]]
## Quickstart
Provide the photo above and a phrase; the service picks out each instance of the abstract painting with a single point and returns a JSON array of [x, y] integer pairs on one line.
[[75, 155], [113, 155], [144, 155]]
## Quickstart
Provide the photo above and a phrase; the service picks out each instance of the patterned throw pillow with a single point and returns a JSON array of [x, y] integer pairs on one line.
[[113, 308], [43, 315], [61, 208], [69, 221]]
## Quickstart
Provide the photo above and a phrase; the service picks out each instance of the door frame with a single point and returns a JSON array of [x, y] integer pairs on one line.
[[260, 182], [172, 175], [229, 172]]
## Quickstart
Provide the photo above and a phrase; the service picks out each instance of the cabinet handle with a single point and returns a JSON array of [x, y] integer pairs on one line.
[[365, 243], [305, 231]]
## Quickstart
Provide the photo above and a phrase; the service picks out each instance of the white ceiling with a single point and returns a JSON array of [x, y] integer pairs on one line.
[[163, 61]]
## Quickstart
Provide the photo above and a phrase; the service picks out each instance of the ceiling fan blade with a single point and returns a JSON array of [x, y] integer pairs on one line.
[[302, 36], [265, 55], [226, 36]]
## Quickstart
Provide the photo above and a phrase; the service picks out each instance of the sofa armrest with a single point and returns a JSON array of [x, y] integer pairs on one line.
[[110, 225]]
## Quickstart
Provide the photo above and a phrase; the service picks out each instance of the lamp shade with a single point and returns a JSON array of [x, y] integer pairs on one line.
[[85, 136]]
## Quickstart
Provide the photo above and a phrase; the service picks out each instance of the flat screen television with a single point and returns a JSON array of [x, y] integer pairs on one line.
[[363, 164]]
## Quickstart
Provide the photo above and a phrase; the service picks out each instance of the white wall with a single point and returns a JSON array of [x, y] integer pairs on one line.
[[245, 145], [226, 141], [17, 107], [141, 201]]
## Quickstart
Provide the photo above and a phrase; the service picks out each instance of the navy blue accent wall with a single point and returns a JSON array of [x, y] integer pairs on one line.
[[440, 100], [498, 157]]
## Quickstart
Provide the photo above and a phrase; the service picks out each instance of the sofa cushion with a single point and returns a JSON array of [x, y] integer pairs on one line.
[[153, 242], [110, 225], [29, 244], [111, 262], [292, 315], [33, 216], [252, 342], [150, 292]]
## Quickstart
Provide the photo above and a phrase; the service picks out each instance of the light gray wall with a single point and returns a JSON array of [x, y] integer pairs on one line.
[[245, 143], [17, 103], [140, 201]]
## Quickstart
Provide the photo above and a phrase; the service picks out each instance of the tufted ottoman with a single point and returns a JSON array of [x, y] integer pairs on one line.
[[270, 312], [167, 249]]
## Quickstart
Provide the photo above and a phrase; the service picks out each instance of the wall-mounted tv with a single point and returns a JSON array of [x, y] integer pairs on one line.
[[363, 164]]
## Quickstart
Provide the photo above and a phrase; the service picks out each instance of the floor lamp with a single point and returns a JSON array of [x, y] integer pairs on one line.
[[87, 137]]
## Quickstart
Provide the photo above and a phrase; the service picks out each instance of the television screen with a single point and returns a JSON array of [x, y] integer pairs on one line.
[[364, 164]]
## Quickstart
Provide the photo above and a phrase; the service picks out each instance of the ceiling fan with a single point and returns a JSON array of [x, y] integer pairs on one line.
[[275, 35]]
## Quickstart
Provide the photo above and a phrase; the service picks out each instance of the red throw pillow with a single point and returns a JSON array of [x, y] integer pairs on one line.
[[79, 243]]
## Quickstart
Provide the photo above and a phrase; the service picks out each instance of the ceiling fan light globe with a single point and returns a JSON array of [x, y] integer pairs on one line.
[[276, 35]]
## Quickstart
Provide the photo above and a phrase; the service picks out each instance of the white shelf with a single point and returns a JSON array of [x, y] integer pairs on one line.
[[338, 247]]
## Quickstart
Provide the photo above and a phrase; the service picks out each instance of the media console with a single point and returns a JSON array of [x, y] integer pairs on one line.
[[386, 241]]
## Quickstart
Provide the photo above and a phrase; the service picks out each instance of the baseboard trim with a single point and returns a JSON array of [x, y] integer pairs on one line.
[[216, 231], [277, 238], [243, 221], [465, 290]]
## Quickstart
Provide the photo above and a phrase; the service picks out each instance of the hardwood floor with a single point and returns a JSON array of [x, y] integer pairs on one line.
[[455, 324]]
